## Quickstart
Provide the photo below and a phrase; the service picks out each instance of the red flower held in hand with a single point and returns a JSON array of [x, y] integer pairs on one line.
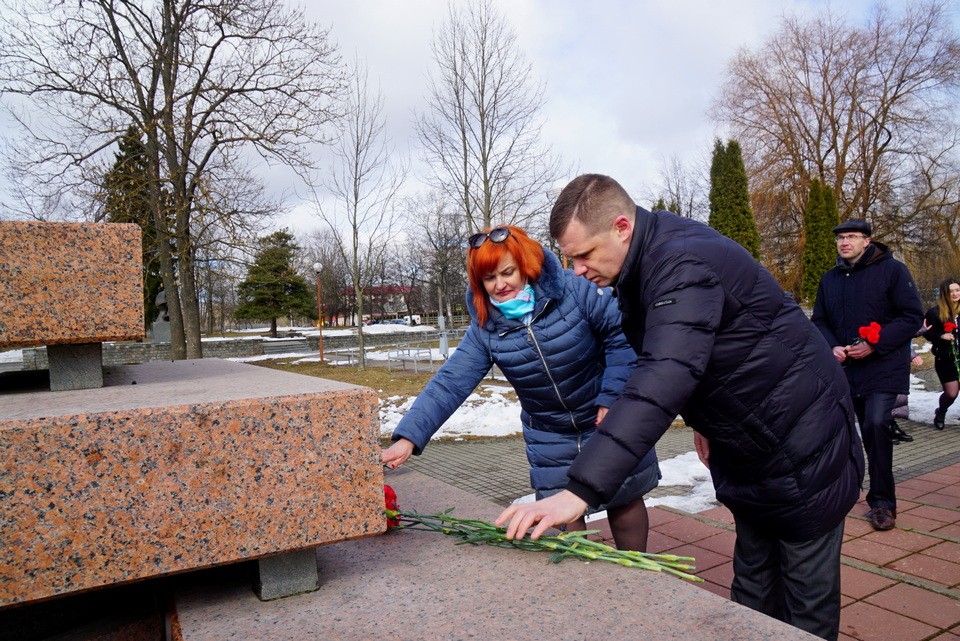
[[949, 328], [871, 333], [391, 508]]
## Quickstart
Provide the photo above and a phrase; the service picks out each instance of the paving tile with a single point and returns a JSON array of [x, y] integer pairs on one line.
[[941, 499], [857, 583], [869, 623], [911, 493], [941, 476], [921, 484], [705, 558], [687, 530], [854, 527], [952, 530], [903, 539], [941, 514], [721, 543], [721, 574], [908, 519], [952, 489], [657, 517], [948, 551], [904, 505], [658, 542], [946, 636], [929, 607], [844, 637], [872, 552], [929, 568]]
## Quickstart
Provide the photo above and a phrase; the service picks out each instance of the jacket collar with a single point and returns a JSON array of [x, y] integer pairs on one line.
[[643, 226]]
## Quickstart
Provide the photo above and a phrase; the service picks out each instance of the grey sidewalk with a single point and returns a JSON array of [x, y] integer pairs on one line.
[[496, 468]]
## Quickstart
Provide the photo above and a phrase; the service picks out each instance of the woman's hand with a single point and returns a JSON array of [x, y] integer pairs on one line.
[[702, 445], [947, 336], [397, 454], [601, 414]]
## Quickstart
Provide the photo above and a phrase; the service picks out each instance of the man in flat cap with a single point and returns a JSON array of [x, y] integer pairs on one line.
[[868, 309]]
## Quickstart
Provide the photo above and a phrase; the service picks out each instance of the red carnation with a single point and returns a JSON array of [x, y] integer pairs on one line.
[[871, 333], [392, 510], [949, 327]]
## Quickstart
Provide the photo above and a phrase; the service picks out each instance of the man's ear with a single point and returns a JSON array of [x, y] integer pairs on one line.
[[623, 225]]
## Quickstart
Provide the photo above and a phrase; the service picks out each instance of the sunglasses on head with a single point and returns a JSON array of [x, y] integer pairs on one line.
[[496, 235]]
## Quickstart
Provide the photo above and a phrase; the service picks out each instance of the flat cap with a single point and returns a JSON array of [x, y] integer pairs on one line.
[[853, 225]]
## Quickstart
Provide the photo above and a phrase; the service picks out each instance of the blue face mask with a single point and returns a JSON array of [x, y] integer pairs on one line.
[[519, 305]]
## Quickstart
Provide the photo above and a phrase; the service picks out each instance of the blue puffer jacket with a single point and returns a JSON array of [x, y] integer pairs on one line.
[[721, 344], [878, 289], [571, 359]]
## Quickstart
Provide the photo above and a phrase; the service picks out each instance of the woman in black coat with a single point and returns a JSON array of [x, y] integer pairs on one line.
[[942, 321]]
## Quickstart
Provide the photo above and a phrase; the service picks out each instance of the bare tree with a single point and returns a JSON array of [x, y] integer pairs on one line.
[[440, 239], [866, 109], [684, 188], [197, 79], [364, 217], [481, 131]]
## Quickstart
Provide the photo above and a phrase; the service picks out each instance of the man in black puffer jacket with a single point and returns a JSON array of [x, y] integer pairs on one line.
[[868, 289], [719, 343]]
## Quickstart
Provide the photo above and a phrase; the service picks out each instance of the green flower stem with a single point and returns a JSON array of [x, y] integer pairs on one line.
[[566, 544]]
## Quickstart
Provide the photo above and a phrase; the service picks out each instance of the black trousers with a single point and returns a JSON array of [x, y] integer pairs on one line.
[[795, 582], [873, 415]]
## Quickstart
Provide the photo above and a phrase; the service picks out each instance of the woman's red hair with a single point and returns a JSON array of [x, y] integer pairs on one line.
[[484, 260]]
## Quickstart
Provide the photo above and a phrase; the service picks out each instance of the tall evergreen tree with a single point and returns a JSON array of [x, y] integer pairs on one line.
[[730, 212], [660, 205], [272, 288], [126, 200], [819, 248]]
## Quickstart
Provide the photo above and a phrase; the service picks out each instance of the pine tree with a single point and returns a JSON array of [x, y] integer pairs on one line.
[[819, 248], [730, 211], [126, 200], [660, 205], [272, 288]]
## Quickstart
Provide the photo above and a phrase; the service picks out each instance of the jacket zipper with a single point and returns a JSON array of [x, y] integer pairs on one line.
[[546, 368]]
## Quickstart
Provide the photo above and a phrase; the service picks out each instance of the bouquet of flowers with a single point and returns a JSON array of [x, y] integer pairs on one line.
[[869, 333], [561, 546]]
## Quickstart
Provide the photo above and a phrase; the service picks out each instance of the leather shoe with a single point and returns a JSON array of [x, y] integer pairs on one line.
[[882, 518], [939, 418], [898, 434]]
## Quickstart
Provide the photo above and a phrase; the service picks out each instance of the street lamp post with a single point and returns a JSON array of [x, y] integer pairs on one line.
[[317, 267]]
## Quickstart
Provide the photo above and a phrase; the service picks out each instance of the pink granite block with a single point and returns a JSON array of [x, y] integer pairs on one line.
[[180, 465], [69, 283]]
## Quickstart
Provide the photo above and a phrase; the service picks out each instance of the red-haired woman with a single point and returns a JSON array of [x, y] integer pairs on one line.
[[557, 339], [942, 321]]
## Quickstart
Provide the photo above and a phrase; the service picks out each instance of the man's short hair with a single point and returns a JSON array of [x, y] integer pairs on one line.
[[593, 199], [853, 225]]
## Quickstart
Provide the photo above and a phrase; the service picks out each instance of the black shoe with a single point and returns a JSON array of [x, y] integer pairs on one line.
[[882, 518], [939, 416], [898, 435]]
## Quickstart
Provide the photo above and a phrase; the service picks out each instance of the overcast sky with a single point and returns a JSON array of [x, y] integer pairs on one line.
[[628, 82]]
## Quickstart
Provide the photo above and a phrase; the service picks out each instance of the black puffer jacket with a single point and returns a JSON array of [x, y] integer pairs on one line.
[[876, 289], [720, 343]]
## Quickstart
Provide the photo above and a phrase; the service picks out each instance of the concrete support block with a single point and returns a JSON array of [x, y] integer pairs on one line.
[[287, 574], [75, 366]]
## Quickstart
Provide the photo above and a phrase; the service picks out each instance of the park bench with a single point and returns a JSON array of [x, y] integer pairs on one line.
[[402, 357]]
